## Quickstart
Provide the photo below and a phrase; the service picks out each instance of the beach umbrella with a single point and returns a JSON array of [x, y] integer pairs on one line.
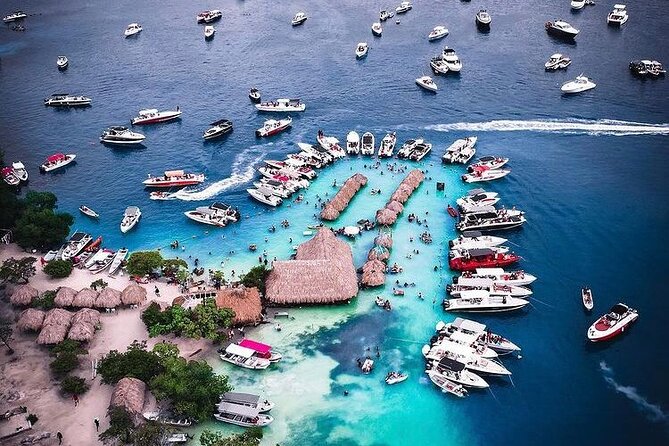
[[85, 298], [108, 298], [351, 231], [64, 297], [23, 295], [31, 320], [133, 294]]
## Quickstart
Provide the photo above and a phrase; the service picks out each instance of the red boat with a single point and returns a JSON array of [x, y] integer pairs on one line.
[[95, 245], [452, 211], [262, 350], [482, 258], [272, 127], [615, 322]]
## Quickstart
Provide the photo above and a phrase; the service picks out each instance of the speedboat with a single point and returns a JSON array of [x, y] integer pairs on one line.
[[453, 151], [14, 17], [121, 135], [88, 211], [480, 301], [271, 127], [466, 252], [387, 145], [404, 7], [217, 214], [408, 146], [586, 297], [119, 258], [62, 62], [56, 161], [484, 174], [202, 15], [243, 357], [613, 323], [427, 83], [654, 68], [489, 219], [331, 145], [581, 83], [209, 32], [475, 363], [439, 32], [67, 100], [9, 176], [491, 162], [174, 178], [483, 19], [439, 65], [361, 50], [499, 275], [131, 216], [367, 146], [475, 239], [254, 95], [478, 198], [618, 16], [466, 327], [560, 28], [265, 197], [482, 258], [213, 16], [218, 128], [132, 29], [260, 420], [294, 165], [159, 195], [153, 116], [446, 385], [103, 259], [557, 61], [377, 29], [75, 245], [353, 143], [577, 4], [495, 289], [451, 60], [385, 15], [455, 371], [274, 187], [395, 377], [420, 150], [20, 171], [282, 105], [299, 19]]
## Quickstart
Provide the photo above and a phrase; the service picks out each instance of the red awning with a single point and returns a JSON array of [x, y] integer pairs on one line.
[[257, 346], [56, 157], [7, 170]]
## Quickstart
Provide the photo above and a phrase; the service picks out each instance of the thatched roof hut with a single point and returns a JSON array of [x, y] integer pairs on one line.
[[395, 206], [378, 253], [384, 239], [322, 272], [386, 217], [81, 331], [129, 394], [58, 316], [340, 201], [64, 296], [31, 320], [133, 294], [55, 327], [85, 298], [245, 302], [108, 298], [373, 273], [88, 316], [23, 295]]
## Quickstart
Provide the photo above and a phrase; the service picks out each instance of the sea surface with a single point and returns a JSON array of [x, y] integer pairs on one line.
[[589, 170]]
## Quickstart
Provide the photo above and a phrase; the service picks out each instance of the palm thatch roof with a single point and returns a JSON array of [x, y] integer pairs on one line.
[[108, 298], [88, 316], [85, 298], [373, 273], [133, 294], [129, 394], [245, 302], [81, 331], [64, 296], [55, 327], [23, 295], [322, 272], [385, 239], [378, 253], [395, 206], [31, 320], [340, 201], [386, 217]]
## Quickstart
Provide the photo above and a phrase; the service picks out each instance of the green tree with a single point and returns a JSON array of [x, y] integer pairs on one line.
[[45, 301], [17, 271], [207, 321], [73, 385], [40, 200], [64, 363], [136, 362], [256, 277], [121, 426], [58, 269], [10, 207], [68, 346], [42, 229], [172, 266], [251, 437], [165, 351], [142, 263], [100, 283], [6, 333]]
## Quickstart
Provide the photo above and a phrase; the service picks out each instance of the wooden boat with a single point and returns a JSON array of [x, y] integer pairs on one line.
[[243, 357], [121, 254], [586, 296]]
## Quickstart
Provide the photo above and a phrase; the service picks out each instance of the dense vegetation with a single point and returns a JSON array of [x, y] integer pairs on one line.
[[38, 225], [256, 277], [66, 360], [17, 271], [58, 269], [141, 263], [203, 321], [250, 437], [45, 301]]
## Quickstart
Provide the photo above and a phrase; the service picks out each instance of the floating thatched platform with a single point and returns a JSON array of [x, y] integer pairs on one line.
[[388, 215], [108, 298], [64, 297], [129, 394], [373, 273], [133, 294], [23, 295], [321, 273], [31, 319], [245, 302], [340, 201], [56, 325]]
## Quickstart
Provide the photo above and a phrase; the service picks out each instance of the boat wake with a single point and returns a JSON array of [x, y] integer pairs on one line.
[[608, 127], [243, 171], [654, 411]]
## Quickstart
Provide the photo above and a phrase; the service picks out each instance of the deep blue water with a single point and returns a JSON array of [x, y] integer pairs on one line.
[[593, 183]]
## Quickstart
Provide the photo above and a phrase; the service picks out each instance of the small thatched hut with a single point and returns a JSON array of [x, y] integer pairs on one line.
[[340, 201], [395, 206], [23, 295], [64, 297], [245, 302], [108, 298], [133, 294], [85, 298], [55, 327], [129, 394], [378, 253], [88, 316], [373, 273], [321, 273], [81, 331], [385, 240], [386, 217], [31, 320]]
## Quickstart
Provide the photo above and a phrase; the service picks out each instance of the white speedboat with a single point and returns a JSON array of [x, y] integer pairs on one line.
[[218, 128], [451, 60], [586, 297], [439, 32], [293, 165], [299, 19], [495, 289], [427, 83], [478, 198], [353, 143], [217, 214], [103, 262], [209, 32], [615, 322], [131, 216], [67, 100], [282, 105], [260, 420], [174, 178], [386, 14], [618, 16], [377, 29], [481, 174], [483, 19], [254, 95], [119, 258], [439, 65], [62, 62], [20, 171], [408, 146], [490, 219], [121, 135], [361, 50], [160, 195], [500, 276], [476, 363], [14, 17], [272, 127], [494, 341], [274, 187], [132, 29], [213, 16], [578, 85], [75, 245], [446, 385], [153, 116], [367, 146], [456, 372], [557, 62], [9, 176], [88, 211], [577, 4], [480, 301], [404, 7], [490, 162], [243, 357], [56, 161], [201, 16], [420, 150], [387, 146], [331, 145], [474, 240], [264, 197], [560, 28], [453, 151], [248, 400], [395, 377]]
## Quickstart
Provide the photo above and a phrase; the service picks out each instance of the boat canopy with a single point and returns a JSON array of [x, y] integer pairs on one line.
[[619, 6], [351, 230], [238, 409], [490, 271], [475, 281], [619, 309], [56, 157], [476, 191], [239, 350], [220, 206], [174, 173], [479, 252], [256, 346], [18, 165], [205, 210], [472, 234], [78, 236], [131, 211], [450, 364], [240, 398], [480, 210]]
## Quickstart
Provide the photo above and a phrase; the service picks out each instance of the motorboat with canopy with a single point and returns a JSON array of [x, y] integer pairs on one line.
[[218, 128], [56, 161], [174, 178], [247, 399], [243, 357], [262, 350]]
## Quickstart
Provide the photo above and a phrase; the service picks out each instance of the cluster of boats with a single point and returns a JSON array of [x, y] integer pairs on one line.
[[81, 249], [250, 354], [244, 409], [15, 175], [486, 168]]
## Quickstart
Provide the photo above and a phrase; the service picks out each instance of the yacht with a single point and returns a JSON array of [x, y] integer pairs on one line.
[[475, 239], [243, 357], [478, 198], [331, 145], [618, 16], [459, 146], [20, 171], [560, 28], [248, 400], [484, 174], [451, 60], [272, 127], [131, 216], [483, 19], [119, 258], [455, 371], [427, 83], [132, 29], [361, 50], [387, 145], [377, 29], [121, 135], [317, 151], [217, 214], [480, 301], [439, 65], [491, 340], [367, 146], [67, 100], [88, 211], [490, 162], [557, 62], [56, 161], [578, 85], [615, 322], [218, 128], [420, 150], [14, 17], [75, 245], [499, 275], [353, 143], [9, 176], [299, 19], [404, 7], [254, 95], [490, 219], [213, 16], [102, 261], [174, 178], [62, 62], [651, 68], [408, 146], [446, 385], [153, 116], [482, 258], [439, 32], [294, 165], [385, 15], [475, 363], [282, 105], [495, 289], [265, 197], [274, 187], [577, 4], [209, 32]]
